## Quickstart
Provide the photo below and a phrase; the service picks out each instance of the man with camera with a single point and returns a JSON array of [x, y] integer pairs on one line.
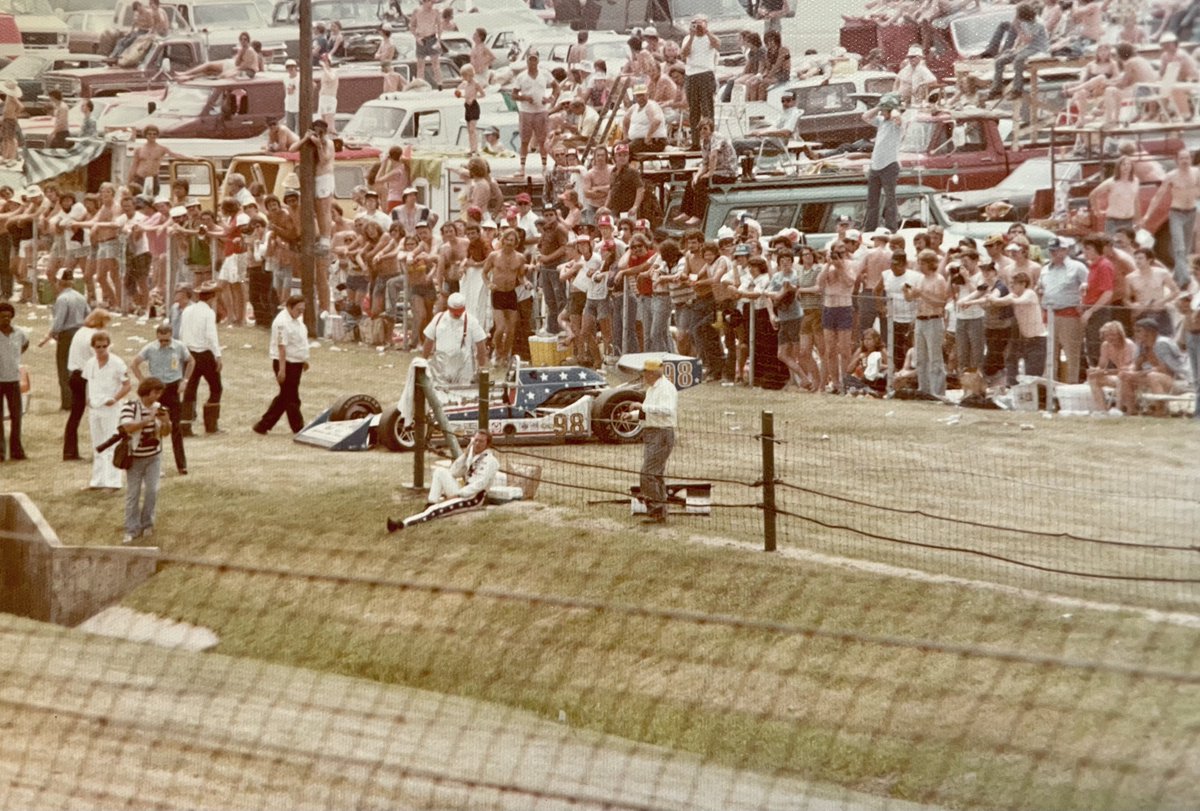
[[885, 162], [143, 419], [930, 295], [170, 361], [700, 49]]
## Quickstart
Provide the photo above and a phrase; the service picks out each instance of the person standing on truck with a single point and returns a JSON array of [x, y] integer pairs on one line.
[[61, 130], [426, 27], [291, 95], [386, 52], [532, 91], [327, 101], [915, 79], [10, 131], [885, 162], [147, 161], [699, 53]]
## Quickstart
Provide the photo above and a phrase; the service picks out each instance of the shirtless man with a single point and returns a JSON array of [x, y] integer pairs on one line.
[[1135, 70], [246, 60], [104, 240], [1183, 183], [1187, 72], [426, 28], [504, 272], [450, 259], [392, 81], [869, 287], [147, 161], [1151, 289], [327, 97], [9, 128], [280, 138], [386, 52], [323, 176]]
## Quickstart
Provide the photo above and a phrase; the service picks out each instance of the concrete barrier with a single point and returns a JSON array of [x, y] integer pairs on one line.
[[42, 579]]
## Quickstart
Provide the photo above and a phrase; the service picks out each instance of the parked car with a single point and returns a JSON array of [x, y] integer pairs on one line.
[[29, 71], [221, 21], [40, 26], [966, 37], [834, 105], [182, 51], [1022, 186], [413, 117], [10, 39]]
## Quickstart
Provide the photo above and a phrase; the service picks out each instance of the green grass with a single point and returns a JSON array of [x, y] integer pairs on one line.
[[955, 730]]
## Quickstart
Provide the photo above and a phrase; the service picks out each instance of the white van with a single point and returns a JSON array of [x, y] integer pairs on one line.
[[425, 118]]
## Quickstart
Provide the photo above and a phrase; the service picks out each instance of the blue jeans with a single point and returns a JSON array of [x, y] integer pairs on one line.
[[882, 183], [554, 297], [1017, 59], [658, 331], [929, 336], [1193, 349], [141, 484], [968, 341], [624, 323], [1182, 222], [706, 342]]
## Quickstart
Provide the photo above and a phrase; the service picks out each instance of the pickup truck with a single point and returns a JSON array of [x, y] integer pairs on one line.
[[965, 37], [151, 73], [220, 22]]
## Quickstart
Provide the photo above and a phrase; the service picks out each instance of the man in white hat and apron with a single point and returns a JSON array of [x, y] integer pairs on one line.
[[455, 344]]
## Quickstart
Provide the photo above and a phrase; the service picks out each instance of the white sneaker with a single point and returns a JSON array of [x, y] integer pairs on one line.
[[1116, 412], [128, 539]]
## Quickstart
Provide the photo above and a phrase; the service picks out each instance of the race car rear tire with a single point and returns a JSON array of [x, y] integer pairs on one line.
[[394, 434], [614, 420], [354, 407]]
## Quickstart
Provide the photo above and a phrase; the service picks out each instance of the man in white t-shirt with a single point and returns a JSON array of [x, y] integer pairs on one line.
[[291, 95], [700, 49], [915, 79], [902, 313], [531, 94]]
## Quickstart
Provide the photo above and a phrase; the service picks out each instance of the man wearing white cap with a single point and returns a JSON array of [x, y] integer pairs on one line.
[[455, 344], [291, 95], [644, 123], [915, 78], [660, 410]]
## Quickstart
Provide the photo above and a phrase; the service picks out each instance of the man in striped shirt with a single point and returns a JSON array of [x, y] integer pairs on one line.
[[144, 419]]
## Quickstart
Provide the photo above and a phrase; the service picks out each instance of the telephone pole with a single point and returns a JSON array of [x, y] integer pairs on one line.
[[308, 158]]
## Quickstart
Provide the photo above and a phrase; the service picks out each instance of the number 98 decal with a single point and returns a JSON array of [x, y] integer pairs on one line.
[[568, 424], [679, 373]]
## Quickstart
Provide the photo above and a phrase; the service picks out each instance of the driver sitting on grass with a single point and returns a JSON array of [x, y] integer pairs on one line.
[[462, 486]]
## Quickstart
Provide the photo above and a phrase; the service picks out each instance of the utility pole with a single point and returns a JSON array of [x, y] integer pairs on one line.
[[308, 158]]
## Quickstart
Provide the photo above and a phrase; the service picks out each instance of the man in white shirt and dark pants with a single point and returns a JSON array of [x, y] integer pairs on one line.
[[198, 332], [459, 487], [455, 344], [660, 409], [699, 52], [289, 360]]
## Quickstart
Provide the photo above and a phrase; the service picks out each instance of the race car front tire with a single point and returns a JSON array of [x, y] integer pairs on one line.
[[354, 407], [614, 420], [394, 433]]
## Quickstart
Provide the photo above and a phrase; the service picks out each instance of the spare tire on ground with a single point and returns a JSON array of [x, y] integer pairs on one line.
[[354, 407]]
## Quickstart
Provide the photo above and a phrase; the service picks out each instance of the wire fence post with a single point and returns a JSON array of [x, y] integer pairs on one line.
[[484, 390], [768, 480], [419, 428]]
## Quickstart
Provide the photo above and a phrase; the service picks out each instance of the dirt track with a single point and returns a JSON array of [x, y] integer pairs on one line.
[[92, 722]]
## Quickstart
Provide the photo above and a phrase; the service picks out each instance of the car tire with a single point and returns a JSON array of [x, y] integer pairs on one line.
[[614, 420], [354, 407], [395, 434]]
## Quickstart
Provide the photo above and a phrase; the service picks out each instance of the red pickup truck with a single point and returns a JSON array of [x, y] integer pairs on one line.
[[964, 38]]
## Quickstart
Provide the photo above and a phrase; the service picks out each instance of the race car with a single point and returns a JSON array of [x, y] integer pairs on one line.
[[533, 404]]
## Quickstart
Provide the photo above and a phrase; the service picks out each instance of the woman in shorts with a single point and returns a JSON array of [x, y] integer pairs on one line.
[[811, 336], [837, 314]]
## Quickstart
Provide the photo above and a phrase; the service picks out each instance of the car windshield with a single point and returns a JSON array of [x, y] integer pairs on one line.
[[223, 16], [973, 32], [31, 7], [717, 9], [182, 100], [25, 66], [917, 136], [89, 21], [374, 121]]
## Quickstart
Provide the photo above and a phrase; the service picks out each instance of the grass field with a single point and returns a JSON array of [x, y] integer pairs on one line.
[[818, 671]]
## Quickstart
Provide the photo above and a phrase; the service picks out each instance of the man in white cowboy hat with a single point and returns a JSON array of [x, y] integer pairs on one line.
[[291, 95], [9, 130], [644, 123], [915, 79]]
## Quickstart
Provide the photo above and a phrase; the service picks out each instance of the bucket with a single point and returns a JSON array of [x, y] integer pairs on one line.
[[1025, 397]]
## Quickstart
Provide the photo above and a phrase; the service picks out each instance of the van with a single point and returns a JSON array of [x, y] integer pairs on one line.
[[426, 118], [241, 108], [277, 172], [834, 105], [726, 18]]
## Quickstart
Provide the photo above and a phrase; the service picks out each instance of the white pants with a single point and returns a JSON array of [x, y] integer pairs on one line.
[[102, 422], [444, 485]]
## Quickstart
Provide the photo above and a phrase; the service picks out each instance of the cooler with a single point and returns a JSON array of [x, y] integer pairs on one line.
[[544, 351]]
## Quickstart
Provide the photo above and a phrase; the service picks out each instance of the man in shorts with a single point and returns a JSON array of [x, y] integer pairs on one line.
[[327, 97], [318, 137], [426, 28], [504, 272], [531, 93]]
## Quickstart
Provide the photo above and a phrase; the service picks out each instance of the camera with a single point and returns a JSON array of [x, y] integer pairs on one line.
[[956, 277], [202, 230]]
